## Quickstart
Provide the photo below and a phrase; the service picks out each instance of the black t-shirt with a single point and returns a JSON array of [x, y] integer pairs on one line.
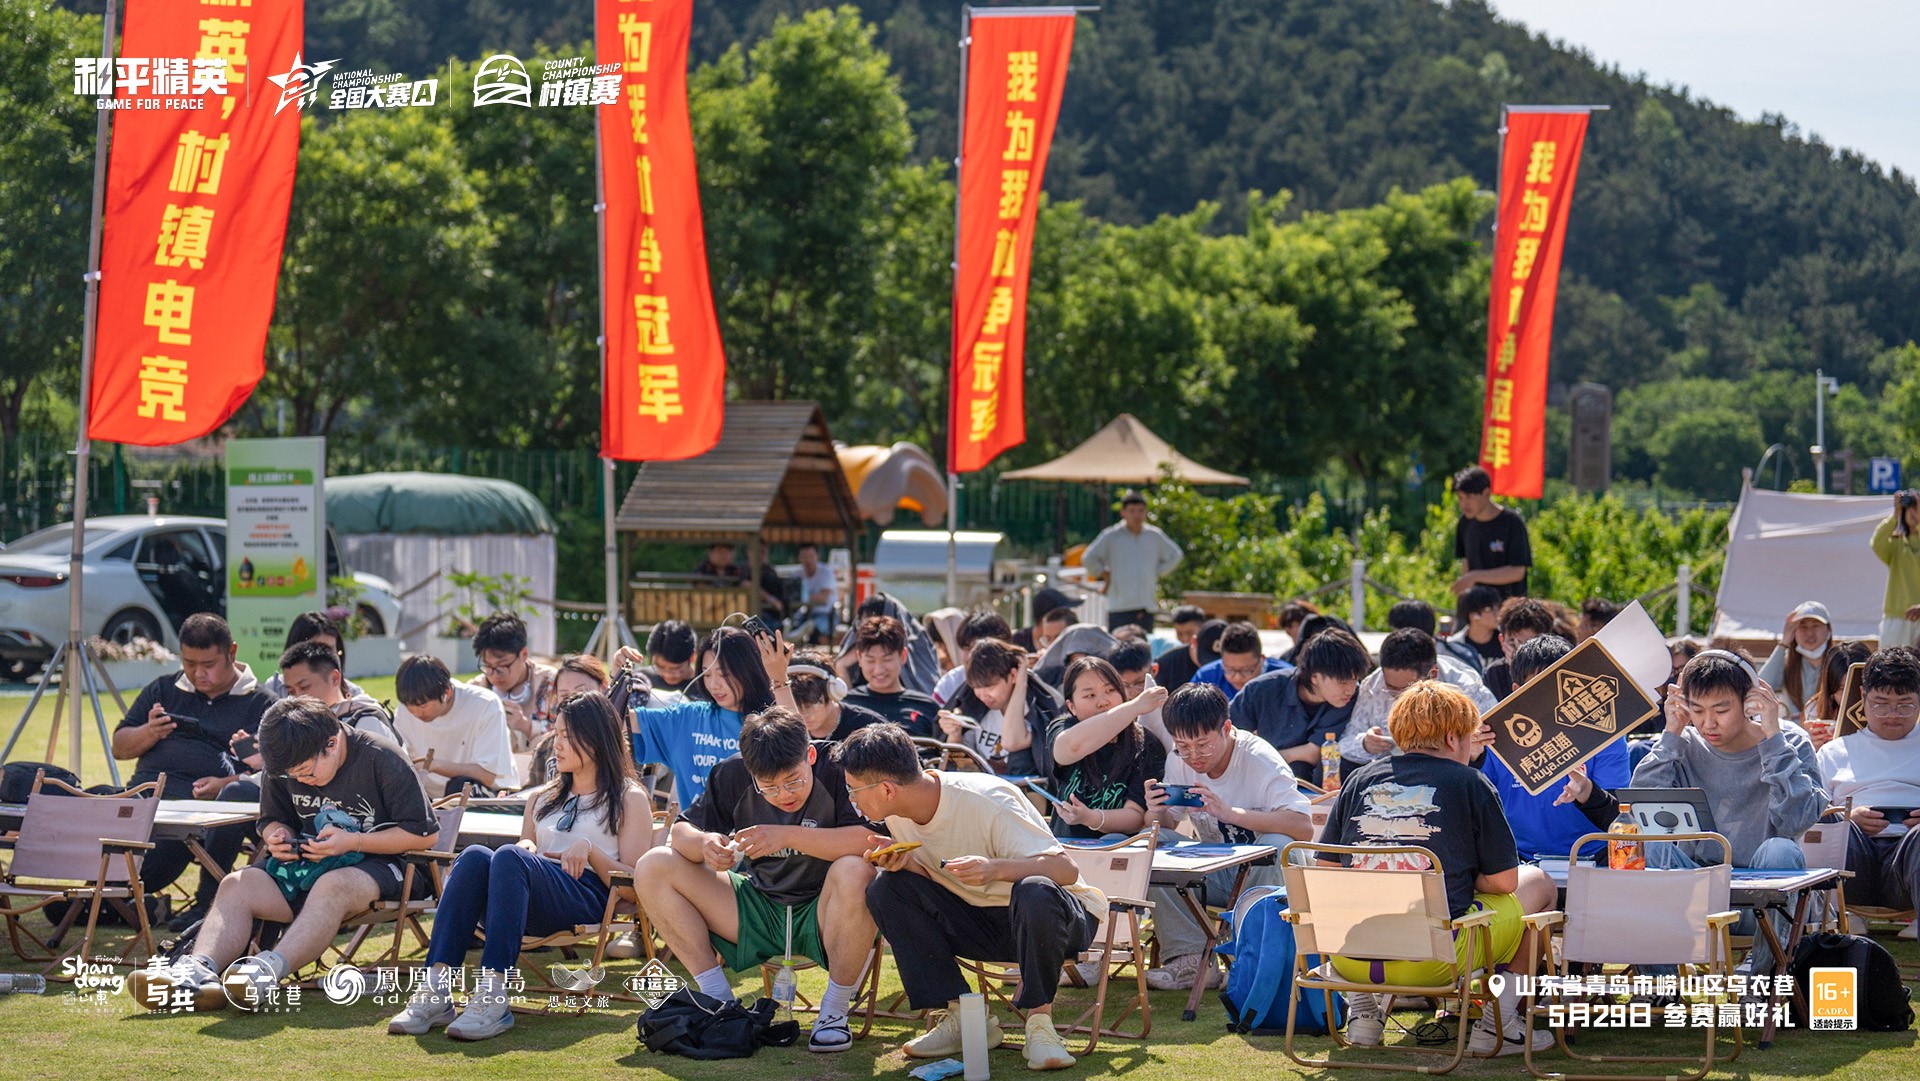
[[911, 710], [1498, 679], [1108, 779], [731, 803], [375, 786], [1174, 668], [1417, 799], [1489, 650], [661, 683], [852, 719], [1501, 542], [188, 754]]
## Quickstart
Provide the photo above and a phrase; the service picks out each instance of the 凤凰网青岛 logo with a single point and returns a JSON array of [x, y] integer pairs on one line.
[[343, 985]]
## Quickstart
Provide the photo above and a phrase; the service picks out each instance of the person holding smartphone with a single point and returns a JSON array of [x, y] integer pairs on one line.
[[1877, 770], [1897, 542]]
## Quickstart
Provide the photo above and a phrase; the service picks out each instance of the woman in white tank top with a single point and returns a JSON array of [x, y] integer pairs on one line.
[[591, 820]]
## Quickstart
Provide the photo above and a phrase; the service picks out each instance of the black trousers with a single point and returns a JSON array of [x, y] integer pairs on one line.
[[170, 859], [928, 926], [1886, 869]]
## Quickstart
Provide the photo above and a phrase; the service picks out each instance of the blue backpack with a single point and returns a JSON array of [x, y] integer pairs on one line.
[[1260, 981]]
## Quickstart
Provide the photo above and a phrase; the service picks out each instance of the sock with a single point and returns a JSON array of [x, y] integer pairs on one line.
[[713, 983], [835, 1002], [440, 980], [275, 964], [486, 986], [204, 961]]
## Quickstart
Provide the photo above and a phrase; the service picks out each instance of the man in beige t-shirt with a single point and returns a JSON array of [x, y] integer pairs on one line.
[[988, 882]]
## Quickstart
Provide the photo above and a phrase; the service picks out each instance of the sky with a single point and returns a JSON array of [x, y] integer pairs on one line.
[[1844, 70]]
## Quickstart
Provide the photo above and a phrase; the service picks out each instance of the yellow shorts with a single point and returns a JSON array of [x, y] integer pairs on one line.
[[1504, 934]]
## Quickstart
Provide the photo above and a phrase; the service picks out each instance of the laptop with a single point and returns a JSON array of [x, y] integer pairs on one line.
[[1668, 810]]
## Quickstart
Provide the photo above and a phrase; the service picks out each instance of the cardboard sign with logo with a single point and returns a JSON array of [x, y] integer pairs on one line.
[[1853, 702], [1566, 715]]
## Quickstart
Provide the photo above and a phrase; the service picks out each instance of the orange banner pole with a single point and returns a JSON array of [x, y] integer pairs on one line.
[[198, 185], [1540, 158], [1015, 68], [664, 371]]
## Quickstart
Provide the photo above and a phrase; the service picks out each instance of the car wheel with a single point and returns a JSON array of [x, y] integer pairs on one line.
[[370, 618], [131, 623]]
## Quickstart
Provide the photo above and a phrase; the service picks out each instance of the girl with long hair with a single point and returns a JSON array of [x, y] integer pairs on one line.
[[591, 820], [740, 674], [1101, 755]]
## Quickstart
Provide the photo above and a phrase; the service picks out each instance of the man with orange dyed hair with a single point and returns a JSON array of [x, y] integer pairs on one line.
[[1429, 796]]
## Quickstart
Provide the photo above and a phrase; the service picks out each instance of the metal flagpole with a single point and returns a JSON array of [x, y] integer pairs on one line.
[[953, 392], [611, 632]]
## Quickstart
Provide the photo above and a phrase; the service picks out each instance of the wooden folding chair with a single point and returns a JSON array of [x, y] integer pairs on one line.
[[80, 847], [1661, 917], [405, 914], [1122, 871], [1380, 915]]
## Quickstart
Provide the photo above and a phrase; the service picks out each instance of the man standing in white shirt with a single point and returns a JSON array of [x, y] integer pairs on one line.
[[1134, 556], [1878, 770], [463, 726], [1243, 792]]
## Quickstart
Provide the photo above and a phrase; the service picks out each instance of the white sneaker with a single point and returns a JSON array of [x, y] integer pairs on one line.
[[485, 1017], [1180, 973], [155, 989], [1515, 1032], [1089, 972], [624, 947], [251, 984], [1366, 1019], [1045, 1049], [424, 1012], [944, 1040], [1910, 932]]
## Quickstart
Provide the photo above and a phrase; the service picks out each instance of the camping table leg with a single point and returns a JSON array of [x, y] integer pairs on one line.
[[1783, 956], [1197, 905], [206, 861]]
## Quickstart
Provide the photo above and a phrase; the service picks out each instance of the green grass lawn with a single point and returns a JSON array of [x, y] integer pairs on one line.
[[56, 1036]]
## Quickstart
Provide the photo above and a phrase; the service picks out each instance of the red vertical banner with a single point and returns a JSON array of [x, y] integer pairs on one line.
[[1540, 159], [198, 183], [665, 379], [1016, 68]]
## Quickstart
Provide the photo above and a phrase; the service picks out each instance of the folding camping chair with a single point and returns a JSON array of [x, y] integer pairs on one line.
[[1612, 917], [405, 914], [1380, 915], [1825, 845], [80, 847]]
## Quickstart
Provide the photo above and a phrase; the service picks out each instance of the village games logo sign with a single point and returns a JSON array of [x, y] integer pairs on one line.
[[1566, 715]]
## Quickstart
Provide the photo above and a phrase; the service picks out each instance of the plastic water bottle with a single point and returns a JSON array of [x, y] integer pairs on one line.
[[1330, 763], [22, 984], [1624, 854], [784, 981]]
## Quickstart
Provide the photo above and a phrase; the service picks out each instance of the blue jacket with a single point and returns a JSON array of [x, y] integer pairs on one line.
[[1214, 674], [1540, 828], [1270, 707], [689, 738]]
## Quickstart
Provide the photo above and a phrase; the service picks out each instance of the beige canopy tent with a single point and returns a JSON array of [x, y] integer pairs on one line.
[[1124, 452]]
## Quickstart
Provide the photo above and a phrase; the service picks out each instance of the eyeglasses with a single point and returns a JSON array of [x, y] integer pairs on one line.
[[864, 787], [307, 767], [1892, 709], [1197, 750], [501, 668], [791, 788], [1244, 673], [569, 814]]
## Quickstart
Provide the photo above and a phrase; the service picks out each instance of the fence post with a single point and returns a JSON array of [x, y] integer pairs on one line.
[[1683, 601], [1357, 597]]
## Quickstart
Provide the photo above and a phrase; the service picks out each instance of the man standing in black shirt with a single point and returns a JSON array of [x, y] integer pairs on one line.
[[770, 852], [183, 725], [1490, 539]]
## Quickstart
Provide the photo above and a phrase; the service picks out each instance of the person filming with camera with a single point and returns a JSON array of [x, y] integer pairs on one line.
[[1897, 542]]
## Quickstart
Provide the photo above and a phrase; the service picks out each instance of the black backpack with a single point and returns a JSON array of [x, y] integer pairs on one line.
[[16, 780], [691, 1024], [1883, 998]]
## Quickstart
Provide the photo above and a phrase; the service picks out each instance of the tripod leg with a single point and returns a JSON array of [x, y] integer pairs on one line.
[[60, 707], [99, 717], [40, 688]]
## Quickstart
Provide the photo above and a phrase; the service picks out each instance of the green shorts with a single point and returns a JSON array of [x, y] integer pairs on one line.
[[1503, 935], [763, 929]]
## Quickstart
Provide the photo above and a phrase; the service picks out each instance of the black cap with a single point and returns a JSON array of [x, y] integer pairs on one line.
[[1049, 599]]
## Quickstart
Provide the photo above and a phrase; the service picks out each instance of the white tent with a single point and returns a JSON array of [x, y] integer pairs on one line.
[[1788, 547]]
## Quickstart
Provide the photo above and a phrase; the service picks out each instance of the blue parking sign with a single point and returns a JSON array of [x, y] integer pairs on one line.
[[1883, 476]]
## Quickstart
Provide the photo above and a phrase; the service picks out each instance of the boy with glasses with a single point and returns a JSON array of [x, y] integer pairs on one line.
[[522, 684], [770, 852], [338, 810], [1878, 769], [1241, 661], [1247, 795]]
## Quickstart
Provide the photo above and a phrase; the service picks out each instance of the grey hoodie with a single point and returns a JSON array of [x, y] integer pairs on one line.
[[1772, 789]]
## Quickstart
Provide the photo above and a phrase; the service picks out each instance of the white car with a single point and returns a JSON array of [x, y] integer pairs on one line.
[[144, 576]]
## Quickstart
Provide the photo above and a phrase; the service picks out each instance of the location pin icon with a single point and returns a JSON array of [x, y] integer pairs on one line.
[[1497, 983]]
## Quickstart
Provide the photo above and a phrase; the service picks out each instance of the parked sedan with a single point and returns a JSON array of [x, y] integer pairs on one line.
[[144, 577]]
